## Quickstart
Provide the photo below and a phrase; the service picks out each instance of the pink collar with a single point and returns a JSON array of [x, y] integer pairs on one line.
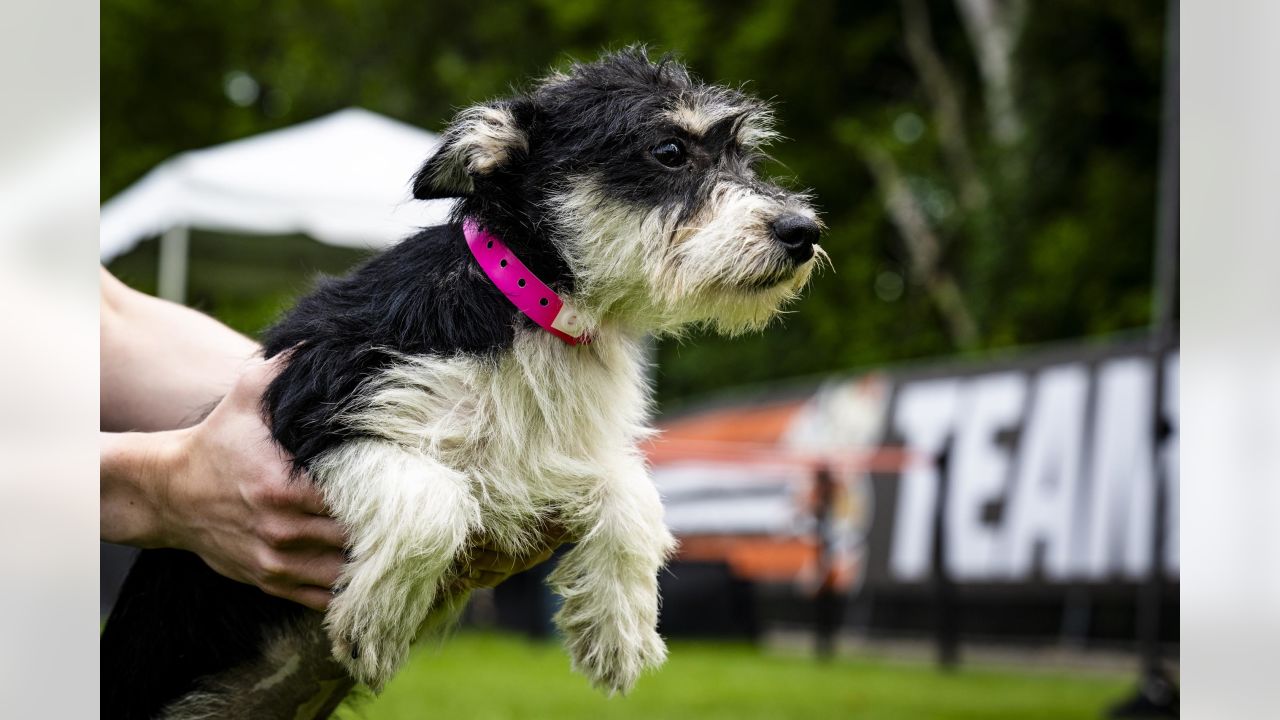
[[522, 287]]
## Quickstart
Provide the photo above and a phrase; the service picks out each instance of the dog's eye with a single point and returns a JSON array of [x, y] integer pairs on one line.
[[669, 152]]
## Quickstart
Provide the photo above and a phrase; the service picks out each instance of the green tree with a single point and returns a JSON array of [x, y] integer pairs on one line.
[[984, 185]]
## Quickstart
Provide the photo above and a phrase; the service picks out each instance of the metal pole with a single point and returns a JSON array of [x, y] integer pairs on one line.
[[171, 278], [946, 614], [1157, 695], [1164, 337], [826, 605]]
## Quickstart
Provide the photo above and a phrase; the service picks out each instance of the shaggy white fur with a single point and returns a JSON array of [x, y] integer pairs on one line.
[[447, 451], [698, 114], [469, 449], [478, 141], [459, 450], [652, 272], [463, 449]]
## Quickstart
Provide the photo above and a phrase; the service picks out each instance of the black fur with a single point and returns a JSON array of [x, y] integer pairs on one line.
[[604, 121], [177, 620], [612, 114], [425, 296]]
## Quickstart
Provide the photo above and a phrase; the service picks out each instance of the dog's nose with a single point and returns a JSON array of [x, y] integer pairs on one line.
[[797, 234]]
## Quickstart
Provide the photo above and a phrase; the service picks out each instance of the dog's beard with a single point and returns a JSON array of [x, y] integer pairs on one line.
[[739, 308], [651, 269]]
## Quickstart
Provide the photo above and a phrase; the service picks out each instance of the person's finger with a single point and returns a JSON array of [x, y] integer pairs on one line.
[[305, 497], [324, 569], [492, 561], [536, 560], [458, 586], [317, 531], [312, 596], [255, 377], [480, 579], [316, 598], [554, 534], [551, 534], [310, 568]]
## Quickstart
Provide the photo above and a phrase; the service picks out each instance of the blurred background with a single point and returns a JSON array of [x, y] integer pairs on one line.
[[944, 486]]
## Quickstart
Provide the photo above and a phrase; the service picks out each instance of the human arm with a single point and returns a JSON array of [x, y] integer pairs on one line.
[[216, 486], [219, 487], [222, 489], [162, 365]]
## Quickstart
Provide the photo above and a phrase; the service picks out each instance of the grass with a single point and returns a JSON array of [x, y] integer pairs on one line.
[[492, 677]]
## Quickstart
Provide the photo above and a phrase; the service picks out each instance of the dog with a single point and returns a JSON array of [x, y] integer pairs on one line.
[[487, 377]]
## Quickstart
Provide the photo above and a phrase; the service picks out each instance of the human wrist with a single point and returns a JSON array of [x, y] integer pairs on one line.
[[139, 473]]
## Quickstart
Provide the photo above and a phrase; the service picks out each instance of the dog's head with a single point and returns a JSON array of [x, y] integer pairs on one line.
[[640, 183]]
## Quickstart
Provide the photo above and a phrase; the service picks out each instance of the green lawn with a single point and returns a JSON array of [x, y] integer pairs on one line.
[[495, 676]]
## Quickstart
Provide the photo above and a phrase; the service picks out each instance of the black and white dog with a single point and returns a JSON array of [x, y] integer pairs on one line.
[[484, 378]]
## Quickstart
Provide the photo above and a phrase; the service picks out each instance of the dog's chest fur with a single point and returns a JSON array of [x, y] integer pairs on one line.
[[533, 430]]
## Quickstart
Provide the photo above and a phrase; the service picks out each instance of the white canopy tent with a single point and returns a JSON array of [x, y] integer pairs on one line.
[[342, 179]]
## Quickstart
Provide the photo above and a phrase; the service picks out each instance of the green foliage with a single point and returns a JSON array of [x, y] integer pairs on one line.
[[496, 676], [1061, 247]]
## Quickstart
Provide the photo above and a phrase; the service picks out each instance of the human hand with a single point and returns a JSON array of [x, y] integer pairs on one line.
[[229, 498], [486, 566]]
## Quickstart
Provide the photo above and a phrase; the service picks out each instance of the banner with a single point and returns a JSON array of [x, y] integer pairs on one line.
[[1051, 471], [1049, 457]]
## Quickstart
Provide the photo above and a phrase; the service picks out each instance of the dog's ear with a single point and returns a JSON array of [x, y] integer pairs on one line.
[[481, 140]]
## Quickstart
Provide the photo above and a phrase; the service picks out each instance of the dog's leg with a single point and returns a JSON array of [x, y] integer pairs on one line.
[[609, 581], [408, 516]]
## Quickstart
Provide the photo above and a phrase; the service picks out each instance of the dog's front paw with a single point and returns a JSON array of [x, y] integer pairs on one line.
[[613, 657], [367, 641]]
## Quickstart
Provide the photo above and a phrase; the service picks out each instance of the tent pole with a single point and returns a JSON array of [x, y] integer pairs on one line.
[[171, 280]]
